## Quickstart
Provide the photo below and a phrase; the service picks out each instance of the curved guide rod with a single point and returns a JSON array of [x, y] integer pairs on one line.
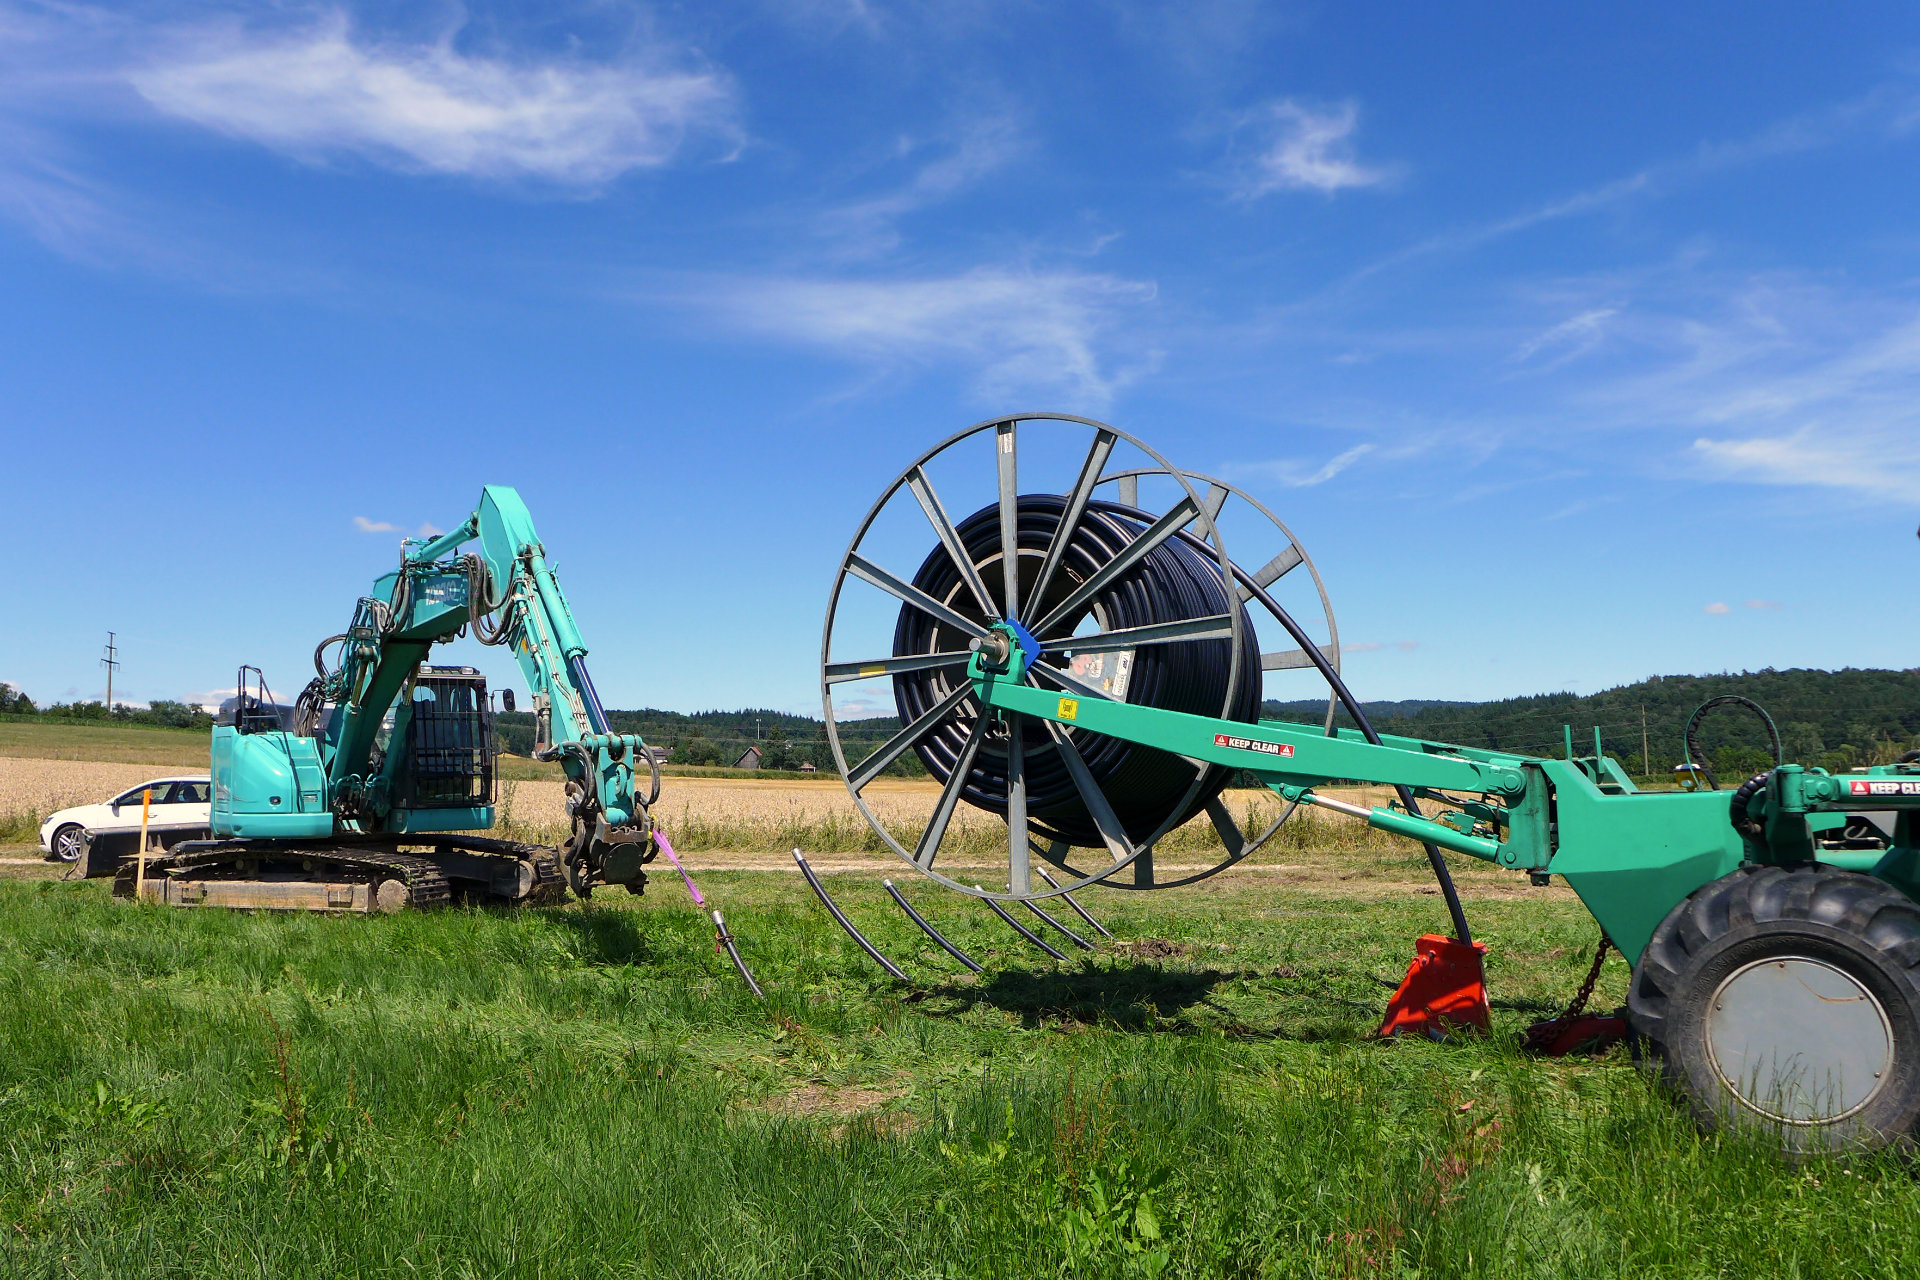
[[1021, 929], [839, 916], [1070, 935], [929, 930], [1074, 902], [725, 939], [1441, 875]]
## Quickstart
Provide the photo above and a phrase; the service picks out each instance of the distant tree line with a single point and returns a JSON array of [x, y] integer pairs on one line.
[[785, 740], [1835, 720], [160, 713]]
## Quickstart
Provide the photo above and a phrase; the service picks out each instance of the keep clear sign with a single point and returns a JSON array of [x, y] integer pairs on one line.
[[1107, 672]]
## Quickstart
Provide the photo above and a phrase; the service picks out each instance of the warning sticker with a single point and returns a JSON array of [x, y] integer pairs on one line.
[[1253, 744], [1882, 787]]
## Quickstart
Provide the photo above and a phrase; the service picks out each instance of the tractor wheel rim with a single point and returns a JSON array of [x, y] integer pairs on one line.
[[1799, 1041]]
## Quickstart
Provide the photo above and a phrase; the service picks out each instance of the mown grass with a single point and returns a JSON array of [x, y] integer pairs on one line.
[[589, 1090]]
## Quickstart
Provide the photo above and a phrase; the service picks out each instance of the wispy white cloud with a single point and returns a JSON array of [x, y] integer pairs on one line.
[[1718, 609], [1302, 148], [1371, 646], [325, 90], [364, 525], [1296, 474], [1018, 331], [1570, 338], [1765, 604], [969, 152], [1866, 463]]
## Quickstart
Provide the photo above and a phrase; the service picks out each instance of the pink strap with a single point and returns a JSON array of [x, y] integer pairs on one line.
[[660, 838]]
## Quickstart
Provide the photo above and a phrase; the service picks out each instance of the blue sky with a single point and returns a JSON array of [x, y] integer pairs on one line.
[[1575, 345]]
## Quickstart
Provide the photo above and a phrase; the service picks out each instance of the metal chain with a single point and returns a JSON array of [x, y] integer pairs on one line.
[[1579, 1005]]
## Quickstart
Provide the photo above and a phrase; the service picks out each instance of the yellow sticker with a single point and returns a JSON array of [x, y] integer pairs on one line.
[[1069, 708], [874, 669]]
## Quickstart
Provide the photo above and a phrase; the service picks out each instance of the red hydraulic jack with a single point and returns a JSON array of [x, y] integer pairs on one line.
[[1445, 989]]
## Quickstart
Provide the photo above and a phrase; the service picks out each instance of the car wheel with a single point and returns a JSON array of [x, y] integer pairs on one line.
[[69, 843]]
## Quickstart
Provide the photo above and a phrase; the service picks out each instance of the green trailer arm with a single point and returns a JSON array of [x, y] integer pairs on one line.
[[1631, 855]]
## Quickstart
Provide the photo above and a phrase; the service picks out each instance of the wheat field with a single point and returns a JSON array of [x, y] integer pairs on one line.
[[734, 817]]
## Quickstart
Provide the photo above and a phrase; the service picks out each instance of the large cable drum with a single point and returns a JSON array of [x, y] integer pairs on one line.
[[1177, 581], [1122, 584]]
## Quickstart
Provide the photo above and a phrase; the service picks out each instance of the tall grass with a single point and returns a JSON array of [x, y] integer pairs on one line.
[[590, 1091]]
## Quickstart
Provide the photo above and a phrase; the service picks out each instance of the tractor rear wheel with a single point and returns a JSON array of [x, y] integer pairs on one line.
[[1788, 1001]]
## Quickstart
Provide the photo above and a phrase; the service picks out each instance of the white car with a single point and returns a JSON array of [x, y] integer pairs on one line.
[[178, 804]]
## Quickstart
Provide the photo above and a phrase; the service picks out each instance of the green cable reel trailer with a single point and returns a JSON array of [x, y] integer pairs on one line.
[[1079, 657]]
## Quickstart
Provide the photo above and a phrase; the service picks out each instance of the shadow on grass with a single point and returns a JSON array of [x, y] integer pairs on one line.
[[606, 937], [1132, 997]]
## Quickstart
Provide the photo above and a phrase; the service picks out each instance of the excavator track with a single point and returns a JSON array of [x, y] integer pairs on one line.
[[364, 877]]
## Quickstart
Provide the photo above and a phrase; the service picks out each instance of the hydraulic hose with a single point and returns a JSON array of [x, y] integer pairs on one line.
[[1698, 758]]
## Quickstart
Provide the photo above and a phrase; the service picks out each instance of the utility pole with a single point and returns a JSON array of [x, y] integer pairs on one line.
[[1646, 752], [110, 662]]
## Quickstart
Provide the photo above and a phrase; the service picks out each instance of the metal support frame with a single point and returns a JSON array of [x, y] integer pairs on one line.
[[929, 930], [840, 918], [1065, 932], [1074, 902], [1021, 929]]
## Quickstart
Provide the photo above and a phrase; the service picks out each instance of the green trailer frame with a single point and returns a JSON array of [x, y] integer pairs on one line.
[[1631, 855]]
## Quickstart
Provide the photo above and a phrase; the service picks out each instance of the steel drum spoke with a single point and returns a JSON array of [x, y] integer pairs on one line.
[[1112, 834], [1293, 659], [1211, 627], [1229, 831], [841, 672], [1083, 488], [1132, 554], [867, 571], [1275, 569], [1070, 682], [929, 846], [1003, 440], [864, 772], [922, 487]]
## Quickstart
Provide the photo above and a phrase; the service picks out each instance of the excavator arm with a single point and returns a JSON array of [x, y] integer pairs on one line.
[[504, 591]]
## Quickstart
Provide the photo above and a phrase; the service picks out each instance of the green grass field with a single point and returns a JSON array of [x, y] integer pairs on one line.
[[589, 1090]]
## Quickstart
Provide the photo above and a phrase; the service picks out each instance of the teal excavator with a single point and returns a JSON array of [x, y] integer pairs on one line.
[[371, 792]]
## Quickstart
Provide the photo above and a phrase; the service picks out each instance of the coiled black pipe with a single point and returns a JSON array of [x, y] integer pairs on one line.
[[1177, 581], [1698, 758]]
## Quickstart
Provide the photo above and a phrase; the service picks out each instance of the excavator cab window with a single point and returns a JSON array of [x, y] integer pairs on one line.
[[449, 740]]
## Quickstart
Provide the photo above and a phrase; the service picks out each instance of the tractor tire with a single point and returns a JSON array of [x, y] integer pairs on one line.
[[68, 843], [1788, 1002]]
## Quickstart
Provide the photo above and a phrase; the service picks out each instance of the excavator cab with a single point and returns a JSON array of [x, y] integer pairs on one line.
[[448, 742]]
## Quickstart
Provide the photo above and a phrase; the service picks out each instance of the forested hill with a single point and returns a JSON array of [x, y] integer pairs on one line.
[[1836, 719]]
